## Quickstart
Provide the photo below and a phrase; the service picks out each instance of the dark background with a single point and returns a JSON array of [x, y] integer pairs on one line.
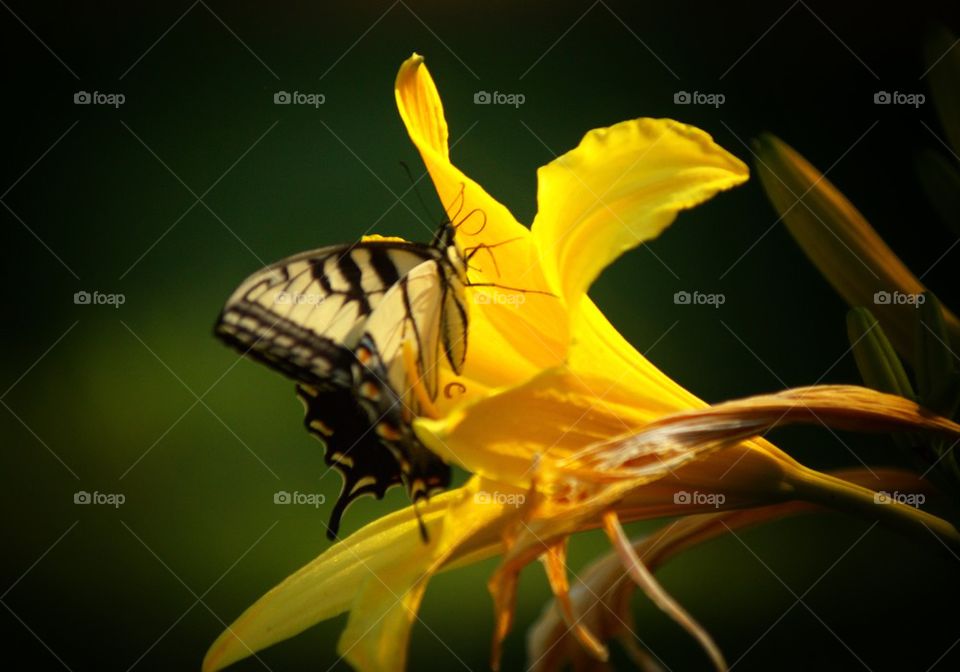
[[105, 399]]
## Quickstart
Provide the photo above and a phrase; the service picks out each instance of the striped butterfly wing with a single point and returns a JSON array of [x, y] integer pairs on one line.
[[302, 316], [423, 317], [425, 313], [352, 448]]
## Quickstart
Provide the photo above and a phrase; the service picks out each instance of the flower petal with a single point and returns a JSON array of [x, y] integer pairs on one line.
[[598, 348], [620, 187], [503, 247], [549, 417], [555, 559], [385, 563], [645, 579], [640, 474], [385, 608], [670, 441], [326, 586], [601, 596]]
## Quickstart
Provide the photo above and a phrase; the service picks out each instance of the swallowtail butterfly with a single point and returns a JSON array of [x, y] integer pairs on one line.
[[343, 322]]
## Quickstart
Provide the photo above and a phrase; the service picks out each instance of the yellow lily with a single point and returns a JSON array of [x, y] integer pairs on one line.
[[564, 425]]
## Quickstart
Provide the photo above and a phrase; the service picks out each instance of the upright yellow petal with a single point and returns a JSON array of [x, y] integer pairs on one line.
[[621, 186], [505, 253], [421, 109]]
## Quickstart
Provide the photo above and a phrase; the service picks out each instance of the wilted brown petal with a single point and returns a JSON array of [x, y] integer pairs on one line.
[[601, 596], [667, 443]]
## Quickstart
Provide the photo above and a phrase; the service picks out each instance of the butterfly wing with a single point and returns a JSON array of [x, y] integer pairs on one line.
[[410, 323], [424, 313], [453, 324], [351, 447], [302, 316], [390, 415]]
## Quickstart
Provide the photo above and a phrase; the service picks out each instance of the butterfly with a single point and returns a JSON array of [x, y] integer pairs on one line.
[[345, 322]]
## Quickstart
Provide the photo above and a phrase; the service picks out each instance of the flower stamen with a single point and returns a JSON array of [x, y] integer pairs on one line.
[[555, 563], [645, 579]]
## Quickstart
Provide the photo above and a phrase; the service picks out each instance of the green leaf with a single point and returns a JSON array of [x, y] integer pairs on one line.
[[877, 361], [935, 365], [940, 180]]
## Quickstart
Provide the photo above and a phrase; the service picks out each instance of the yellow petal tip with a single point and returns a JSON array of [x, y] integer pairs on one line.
[[216, 658]]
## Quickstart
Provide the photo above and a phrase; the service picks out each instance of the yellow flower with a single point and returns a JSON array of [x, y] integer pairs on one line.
[[564, 425]]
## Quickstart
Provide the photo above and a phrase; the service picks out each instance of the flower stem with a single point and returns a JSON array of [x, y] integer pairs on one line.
[[841, 495]]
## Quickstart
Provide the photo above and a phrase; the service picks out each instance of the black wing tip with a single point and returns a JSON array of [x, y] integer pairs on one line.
[[424, 534]]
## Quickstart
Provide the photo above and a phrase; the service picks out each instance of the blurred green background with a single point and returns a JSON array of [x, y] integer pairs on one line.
[[105, 399]]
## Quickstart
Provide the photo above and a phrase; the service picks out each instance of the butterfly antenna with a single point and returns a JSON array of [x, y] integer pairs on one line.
[[459, 197], [413, 186]]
